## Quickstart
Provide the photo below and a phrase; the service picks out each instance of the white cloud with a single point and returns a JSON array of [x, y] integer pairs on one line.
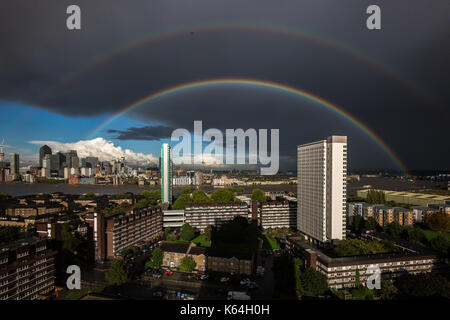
[[103, 149]]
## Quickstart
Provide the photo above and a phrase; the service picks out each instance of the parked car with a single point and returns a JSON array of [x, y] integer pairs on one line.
[[237, 295], [224, 279], [169, 272], [253, 285], [204, 277], [245, 281], [156, 275]]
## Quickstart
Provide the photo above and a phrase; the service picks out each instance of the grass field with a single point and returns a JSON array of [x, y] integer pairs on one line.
[[430, 234], [270, 243], [82, 292], [201, 241]]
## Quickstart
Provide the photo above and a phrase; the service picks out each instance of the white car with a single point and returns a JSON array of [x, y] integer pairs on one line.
[[224, 279], [245, 281], [203, 277]]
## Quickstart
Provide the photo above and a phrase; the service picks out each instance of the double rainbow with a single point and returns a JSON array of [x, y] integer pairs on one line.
[[259, 84]]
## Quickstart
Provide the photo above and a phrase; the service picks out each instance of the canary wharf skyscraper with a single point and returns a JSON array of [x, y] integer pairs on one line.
[[166, 173], [322, 184]]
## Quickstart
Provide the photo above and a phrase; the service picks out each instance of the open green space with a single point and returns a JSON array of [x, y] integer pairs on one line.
[[270, 242], [201, 241], [78, 294]]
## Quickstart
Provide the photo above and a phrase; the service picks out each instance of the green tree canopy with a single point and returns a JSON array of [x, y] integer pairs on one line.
[[441, 244], [313, 282], [199, 196], [187, 264], [157, 258], [354, 247], [394, 229], [208, 232], [370, 223], [388, 291], [375, 197], [258, 195], [187, 232], [186, 191], [153, 195], [117, 274], [9, 234], [181, 201], [69, 241], [439, 221], [223, 195]]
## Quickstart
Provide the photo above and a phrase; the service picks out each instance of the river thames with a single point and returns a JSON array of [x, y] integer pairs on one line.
[[22, 189]]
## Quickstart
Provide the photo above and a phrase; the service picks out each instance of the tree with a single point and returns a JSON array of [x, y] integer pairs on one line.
[[199, 196], [423, 285], [187, 264], [388, 290], [313, 282], [143, 203], [357, 280], [187, 232], [439, 221], [181, 201], [153, 195], [394, 229], [167, 230], [417, 235], [157, 258], [186, 191], [207, 233], [69, 241], [258, 195], [117, 274], [284, 273], [375, 197], [9, 234], [358, 222], [223, 195], [171, 237], [370, 223], [441, 244]]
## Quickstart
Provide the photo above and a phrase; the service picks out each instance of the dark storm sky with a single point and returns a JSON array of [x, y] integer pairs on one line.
[[406, 102]]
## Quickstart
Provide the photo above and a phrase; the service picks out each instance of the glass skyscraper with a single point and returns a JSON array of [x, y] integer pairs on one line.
[[166, 173]]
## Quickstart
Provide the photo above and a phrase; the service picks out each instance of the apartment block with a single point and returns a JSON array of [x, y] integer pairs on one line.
[[24, 210], [26, 269], [278, 214], [341, 272], [202, 215], [322, 189], [110, 235]]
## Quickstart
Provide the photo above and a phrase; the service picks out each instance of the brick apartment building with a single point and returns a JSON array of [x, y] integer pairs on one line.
[[26, 269], [341, 272], [110, 235], [24, 210], [207, 259]]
